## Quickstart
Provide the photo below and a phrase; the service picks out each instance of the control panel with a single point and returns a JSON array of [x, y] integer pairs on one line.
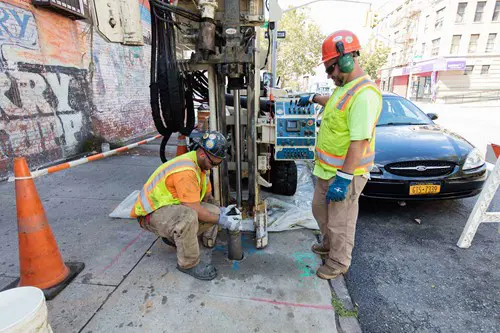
[[295, 130]]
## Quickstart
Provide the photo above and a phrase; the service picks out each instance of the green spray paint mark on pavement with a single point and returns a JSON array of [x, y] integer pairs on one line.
[[307, 263]]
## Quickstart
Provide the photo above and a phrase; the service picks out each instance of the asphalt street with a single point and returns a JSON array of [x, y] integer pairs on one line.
[[407, 273]]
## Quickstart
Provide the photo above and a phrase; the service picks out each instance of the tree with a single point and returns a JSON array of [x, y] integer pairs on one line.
[[300, 52], [373, 59]]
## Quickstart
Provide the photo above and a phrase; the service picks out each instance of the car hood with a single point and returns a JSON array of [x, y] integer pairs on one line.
[[419, 142]]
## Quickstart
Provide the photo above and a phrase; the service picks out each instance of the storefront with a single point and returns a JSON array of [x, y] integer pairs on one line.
[[421, 86], [423, 77]]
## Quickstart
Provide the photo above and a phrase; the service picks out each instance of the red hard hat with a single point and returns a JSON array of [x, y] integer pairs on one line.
[[329, 49]]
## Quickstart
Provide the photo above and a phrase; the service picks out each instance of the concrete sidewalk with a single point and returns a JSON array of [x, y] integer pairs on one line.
[[130, 282]]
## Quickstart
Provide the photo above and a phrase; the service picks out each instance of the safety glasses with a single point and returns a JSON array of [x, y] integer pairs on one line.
[[211, 161], [329, 70]]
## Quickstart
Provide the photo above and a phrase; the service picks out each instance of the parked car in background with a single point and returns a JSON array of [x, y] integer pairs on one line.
[[418, 159]]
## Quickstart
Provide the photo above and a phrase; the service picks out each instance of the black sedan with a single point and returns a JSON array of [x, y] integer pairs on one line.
[[418, 159]]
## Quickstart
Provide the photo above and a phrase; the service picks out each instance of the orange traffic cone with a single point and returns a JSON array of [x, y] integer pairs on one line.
[[41, 264], [181, 145]]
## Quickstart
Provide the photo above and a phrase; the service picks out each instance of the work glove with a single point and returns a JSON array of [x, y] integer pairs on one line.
[[305, 100], [223, 210], [337, 190], [230, 218]]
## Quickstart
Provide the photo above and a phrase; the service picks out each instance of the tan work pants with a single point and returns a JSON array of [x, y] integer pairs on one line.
[[337, 221], [180, 225]]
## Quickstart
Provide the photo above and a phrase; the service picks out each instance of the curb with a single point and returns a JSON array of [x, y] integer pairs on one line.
[[345, 324]]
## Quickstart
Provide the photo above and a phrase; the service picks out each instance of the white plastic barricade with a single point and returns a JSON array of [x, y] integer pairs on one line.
[[479, 213]]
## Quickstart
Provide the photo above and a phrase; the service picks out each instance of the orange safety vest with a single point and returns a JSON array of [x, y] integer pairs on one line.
[[334, 137]]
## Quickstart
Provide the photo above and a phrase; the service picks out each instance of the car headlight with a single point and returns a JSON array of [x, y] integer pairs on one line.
[[474, 160]]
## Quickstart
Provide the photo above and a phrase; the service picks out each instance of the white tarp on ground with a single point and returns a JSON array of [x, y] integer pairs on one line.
[[289, 213], [284, 213]]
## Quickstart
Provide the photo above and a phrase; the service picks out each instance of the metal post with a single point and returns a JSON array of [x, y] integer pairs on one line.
[[221, 121], [274, 50], [237, 144], [410, 84], [251, 134], [212, 102]]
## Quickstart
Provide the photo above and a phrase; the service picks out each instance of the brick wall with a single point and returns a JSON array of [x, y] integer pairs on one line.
[[61, 84]]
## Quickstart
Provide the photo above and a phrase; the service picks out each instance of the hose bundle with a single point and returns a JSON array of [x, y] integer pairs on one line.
[[171, 90]]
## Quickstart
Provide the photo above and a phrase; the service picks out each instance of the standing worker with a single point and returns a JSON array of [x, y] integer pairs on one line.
[[345, 150], [176, 204]]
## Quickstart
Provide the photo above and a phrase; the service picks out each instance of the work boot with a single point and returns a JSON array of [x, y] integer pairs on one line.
[[200, 271], [319, 249], [328, 273], [166, 241]]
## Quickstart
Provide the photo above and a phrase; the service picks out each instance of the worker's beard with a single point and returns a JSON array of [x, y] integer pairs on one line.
[[338, 82]]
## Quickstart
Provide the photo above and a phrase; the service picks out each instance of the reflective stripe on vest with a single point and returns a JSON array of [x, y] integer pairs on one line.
[[143, 196], [344, 100], [338, 161]]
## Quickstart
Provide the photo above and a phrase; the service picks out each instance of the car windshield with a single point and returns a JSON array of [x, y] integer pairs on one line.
[[400, 111]]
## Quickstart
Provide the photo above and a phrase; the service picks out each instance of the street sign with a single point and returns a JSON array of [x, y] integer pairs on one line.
[[279, 34]]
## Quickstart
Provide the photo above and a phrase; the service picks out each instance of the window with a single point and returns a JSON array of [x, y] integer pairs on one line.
[[496, 12], [468, 70], [473, 43], [439, 19], [479, 11], [435, 47], [393, 58], [426, 24], [422, 51], [461, 12], [398, 110], [485, 69], [455, 44], [490, 44]]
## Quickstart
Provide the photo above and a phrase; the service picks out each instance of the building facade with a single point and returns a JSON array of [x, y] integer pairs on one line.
[[64, 82], [445, 51]]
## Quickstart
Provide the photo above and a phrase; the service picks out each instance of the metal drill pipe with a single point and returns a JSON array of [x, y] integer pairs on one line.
[[237, 143], [234, 246]]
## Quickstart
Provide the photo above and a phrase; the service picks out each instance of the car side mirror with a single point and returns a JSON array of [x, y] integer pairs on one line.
[[433, 116], [318, 123]]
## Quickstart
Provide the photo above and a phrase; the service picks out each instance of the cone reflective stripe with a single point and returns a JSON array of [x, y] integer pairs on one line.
[[181, 145], [41, 264]]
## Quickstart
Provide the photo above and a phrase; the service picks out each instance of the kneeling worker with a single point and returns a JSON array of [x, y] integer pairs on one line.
[[176, 204]]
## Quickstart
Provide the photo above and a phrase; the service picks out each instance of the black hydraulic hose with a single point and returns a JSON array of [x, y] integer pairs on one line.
[[264, 104]]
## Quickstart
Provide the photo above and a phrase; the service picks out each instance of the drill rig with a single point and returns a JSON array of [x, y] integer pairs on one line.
[[206, 52]]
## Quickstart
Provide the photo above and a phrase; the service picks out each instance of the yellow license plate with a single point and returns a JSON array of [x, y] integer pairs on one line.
[[425, 189]]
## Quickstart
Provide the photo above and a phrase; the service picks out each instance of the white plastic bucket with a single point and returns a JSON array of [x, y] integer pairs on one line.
[[23, 310]]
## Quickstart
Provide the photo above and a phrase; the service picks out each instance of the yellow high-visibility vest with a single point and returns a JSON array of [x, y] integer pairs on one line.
[[155, 193], [334, 138]]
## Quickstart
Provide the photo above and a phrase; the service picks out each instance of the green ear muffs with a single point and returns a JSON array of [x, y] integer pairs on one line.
[[346, 61]]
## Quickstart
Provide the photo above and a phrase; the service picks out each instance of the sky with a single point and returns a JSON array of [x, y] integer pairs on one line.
[[333, 15]]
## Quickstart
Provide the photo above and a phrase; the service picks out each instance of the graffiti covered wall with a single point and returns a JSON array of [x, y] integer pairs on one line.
[[61, 84]]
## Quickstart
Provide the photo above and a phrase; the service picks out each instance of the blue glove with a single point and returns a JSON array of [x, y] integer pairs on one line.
[[305, 100], [337, 190]]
